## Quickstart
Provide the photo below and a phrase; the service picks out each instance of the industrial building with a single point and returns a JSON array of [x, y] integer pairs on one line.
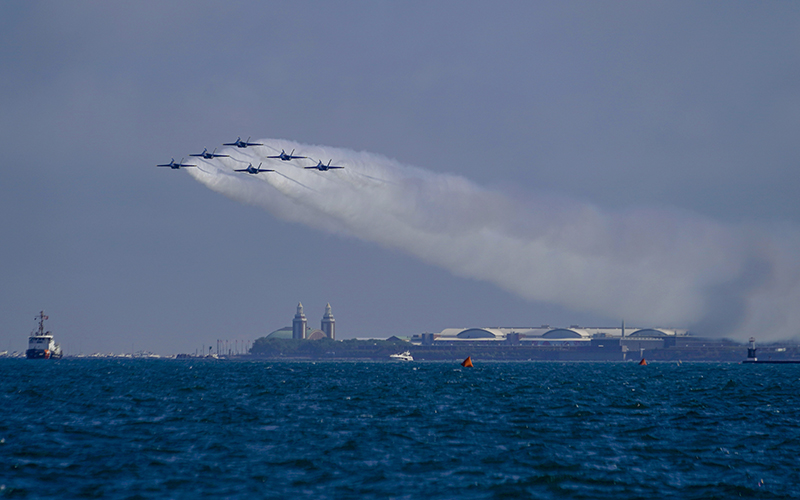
[[575, 336], [542, 343]]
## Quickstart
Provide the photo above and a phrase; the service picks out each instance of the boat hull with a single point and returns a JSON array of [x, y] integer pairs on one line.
[[406, 356], [42, 354]]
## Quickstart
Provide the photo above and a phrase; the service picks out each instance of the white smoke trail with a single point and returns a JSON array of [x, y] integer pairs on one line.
[[656, 268]]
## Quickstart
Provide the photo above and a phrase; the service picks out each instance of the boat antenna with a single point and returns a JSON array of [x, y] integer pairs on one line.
[[41, 319]]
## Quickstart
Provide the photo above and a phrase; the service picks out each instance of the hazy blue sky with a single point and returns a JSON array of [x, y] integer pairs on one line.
[[685, 107]]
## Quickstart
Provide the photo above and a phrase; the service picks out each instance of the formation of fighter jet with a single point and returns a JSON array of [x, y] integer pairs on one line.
[[177, 165], [284, 157], [239, 143], [322, 167], [252, 170], [208, 156]]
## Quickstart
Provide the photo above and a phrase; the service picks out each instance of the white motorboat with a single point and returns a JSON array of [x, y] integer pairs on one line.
[[403, 356]]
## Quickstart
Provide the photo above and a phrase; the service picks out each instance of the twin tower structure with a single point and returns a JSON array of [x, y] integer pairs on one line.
[[300, 324]]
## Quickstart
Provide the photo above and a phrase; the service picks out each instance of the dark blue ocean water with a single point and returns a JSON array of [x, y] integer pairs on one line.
[[182, 429]]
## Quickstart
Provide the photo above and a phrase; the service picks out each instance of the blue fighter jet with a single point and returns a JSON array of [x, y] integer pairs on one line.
[[252, 170], [284, 157], [208, 156], [322, 167], [176, 166], [239, 143]]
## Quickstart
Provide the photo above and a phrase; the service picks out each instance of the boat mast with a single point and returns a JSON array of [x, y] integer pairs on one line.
[[41, 318]]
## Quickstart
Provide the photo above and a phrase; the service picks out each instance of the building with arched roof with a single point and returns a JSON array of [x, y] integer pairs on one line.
[[567, 333], [281, 333], [655, 333], [316, 335], [287, 333], [545, 335], [458, 334]]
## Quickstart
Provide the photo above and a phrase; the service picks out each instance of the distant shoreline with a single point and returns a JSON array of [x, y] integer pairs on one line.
[[701, 350]]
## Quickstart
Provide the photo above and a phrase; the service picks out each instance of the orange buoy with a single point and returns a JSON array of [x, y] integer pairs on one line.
[[643, 362], [467, 362]]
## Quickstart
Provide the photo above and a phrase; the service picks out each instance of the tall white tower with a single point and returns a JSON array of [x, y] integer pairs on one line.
[[299, 323], [329, 324]]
